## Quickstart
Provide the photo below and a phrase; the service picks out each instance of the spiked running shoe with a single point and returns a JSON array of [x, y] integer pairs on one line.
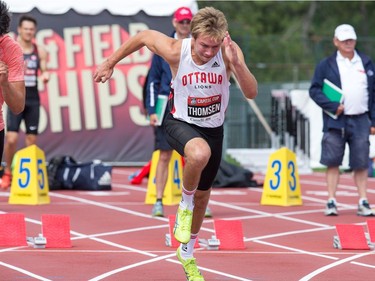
[[157, 210], [190, 267], [182, 225]]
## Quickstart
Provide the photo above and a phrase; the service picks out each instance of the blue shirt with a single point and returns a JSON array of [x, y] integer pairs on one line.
[[328, 69]]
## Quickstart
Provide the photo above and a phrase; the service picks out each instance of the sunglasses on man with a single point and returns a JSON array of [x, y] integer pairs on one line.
[[184, 22]]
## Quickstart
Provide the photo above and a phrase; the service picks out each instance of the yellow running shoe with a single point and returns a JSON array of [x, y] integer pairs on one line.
[[182, 225], [190, 267]]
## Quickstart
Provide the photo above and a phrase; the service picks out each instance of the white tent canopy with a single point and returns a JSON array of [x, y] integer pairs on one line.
[[93, 7]]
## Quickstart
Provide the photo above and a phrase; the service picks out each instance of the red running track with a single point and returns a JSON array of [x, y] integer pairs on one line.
[[115, 238]]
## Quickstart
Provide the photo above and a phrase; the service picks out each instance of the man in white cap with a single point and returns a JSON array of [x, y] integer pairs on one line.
[[349, 121]]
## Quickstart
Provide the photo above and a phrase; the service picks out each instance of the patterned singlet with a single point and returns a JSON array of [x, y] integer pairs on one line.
[[32, 63], [200, 92]]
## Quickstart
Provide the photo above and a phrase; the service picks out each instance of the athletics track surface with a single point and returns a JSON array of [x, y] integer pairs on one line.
[[114, 237]]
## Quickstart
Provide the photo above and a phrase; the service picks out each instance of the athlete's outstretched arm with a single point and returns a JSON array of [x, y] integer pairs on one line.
[[245, 78], [155, 41]]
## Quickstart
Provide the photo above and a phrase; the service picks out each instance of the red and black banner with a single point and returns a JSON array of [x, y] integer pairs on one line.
[[79, 117]]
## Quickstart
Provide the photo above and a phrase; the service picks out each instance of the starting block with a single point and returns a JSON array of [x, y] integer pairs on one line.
[[170, 241], [137, 177], [38, 242], [350, 237], [213, 243], [229, 235], [56, 230], [12, 230], [371, 230]]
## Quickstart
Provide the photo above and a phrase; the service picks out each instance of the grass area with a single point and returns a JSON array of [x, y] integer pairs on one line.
[[231, 160]]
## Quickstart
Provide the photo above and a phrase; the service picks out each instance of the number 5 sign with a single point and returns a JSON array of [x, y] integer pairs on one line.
[[30, 179], [281, 185]]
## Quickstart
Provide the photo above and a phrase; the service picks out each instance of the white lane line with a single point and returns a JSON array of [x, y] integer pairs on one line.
[[167, 258], [231, 206], [107, 206], [28, 273], [146, 228], [334, 264], [120, 269], [289, 233], [296, 250], [363, 264]]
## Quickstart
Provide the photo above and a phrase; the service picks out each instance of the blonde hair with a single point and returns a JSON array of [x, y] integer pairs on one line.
[[210, 22]]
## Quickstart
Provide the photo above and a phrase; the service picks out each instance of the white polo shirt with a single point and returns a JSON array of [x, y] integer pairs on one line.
[[353, 83]]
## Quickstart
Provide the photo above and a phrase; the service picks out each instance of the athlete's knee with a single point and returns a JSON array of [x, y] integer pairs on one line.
[[197, 153], [165, 156], [11, 138]]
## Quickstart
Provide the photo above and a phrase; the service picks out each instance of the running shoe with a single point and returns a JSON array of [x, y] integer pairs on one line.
[[364, 209], [6, 180], [190, 267], [182, 225], [331, 209], [157, 210], [208, 213]]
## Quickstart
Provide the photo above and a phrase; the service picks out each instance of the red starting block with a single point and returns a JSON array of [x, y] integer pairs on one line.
[[230, 234], [170, 241], [350, 237], [12, 230], [56, 229], [371, 230], [138, 177]]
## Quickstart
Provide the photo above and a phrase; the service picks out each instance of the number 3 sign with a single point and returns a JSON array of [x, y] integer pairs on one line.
[[281, 185]]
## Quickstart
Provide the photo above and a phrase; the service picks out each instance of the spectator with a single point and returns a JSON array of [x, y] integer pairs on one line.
[[35, 58], [12, 84], [353, 120]]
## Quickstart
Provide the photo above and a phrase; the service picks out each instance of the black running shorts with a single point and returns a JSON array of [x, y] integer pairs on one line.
[[180, 132]]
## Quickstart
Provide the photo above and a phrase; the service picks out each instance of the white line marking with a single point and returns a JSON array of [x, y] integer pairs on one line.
[[120, 269], [107, 206], [363, 264], [28, 273], [295, 250], [329, 266]]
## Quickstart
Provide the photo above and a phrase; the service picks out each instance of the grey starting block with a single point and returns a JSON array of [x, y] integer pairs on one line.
[[213, 243], [168, 241], [38, 242]]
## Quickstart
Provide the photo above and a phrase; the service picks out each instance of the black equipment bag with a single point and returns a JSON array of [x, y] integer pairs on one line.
[[65, 173], [230, 175]]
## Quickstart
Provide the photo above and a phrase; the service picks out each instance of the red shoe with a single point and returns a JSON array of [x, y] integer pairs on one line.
[[6, 180]]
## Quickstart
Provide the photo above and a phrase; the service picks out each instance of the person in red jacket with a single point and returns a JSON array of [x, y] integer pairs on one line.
[[35, 58], [12, 84]]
